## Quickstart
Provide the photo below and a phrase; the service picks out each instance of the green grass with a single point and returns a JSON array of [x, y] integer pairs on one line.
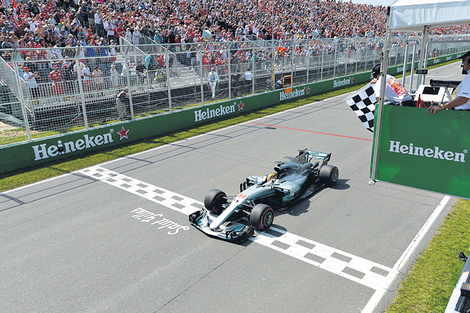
[[428, 285]]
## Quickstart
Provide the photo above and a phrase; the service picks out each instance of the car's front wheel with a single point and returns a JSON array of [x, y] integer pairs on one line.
[[262, 216], [214, 201]]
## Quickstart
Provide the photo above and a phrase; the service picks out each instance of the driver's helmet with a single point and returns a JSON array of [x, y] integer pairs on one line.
[[271, 176]]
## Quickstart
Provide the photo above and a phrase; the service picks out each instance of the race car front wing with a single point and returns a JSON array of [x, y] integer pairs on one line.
[[230, 231]]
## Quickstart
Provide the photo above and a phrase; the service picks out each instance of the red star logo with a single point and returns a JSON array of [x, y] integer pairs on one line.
[[240, 106], [308, 89], [123, 133]]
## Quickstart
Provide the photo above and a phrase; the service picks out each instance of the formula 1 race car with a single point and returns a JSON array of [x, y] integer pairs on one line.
[[236, 218]]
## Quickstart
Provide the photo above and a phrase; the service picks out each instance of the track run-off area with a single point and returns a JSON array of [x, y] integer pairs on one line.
[[115, 237]]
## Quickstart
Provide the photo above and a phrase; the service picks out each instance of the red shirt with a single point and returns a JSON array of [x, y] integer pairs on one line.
[[55, 76], [120, 31]]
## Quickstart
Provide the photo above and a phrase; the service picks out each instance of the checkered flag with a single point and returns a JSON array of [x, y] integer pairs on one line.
[[363, 104]]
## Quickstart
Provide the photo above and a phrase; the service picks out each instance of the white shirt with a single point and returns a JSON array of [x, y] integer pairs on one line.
[[248, 75], [463, 90], [213, 77], [30, 80], [394, 90]]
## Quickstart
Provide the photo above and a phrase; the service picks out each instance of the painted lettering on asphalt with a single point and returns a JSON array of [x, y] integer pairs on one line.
[[158, 219]]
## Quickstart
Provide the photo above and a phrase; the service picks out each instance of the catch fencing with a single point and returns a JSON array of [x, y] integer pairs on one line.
[[45, 92]]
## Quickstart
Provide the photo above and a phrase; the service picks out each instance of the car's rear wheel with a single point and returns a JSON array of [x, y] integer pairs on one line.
[[329, 174], [262, 216], [214, 201]]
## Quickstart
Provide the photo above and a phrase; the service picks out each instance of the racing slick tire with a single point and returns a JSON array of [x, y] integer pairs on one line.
[[262, 216], [329, 174], [214, 201]]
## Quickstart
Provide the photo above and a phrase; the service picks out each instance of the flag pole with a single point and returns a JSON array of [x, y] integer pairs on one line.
[[379, 109]]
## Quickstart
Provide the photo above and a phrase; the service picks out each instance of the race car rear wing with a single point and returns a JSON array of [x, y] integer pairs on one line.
[[325, 157]]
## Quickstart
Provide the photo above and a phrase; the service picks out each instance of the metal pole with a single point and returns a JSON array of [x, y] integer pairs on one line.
[[131, 103], [405, 59], [20, 91], [229, 73], [413, 61], [168, 76], [423, 57], [322, 58], [334, 62], [379, 106], [253, 70], [80, 86], [308, 63], [201, 74]]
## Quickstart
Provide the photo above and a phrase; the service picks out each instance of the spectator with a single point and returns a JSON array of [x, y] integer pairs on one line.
[[121, 103], [30, 79], [248, 78], [394, 90], [87, 77], [56, 78], [461, 95], [98, 78], [114, 76], [213, 79]]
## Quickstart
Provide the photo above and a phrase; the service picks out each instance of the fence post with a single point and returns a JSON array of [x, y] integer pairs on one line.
[[322, 58], [229, 73], [80, 87], [131, 103], [20, 92], [168, 75], [201, 73], [253, 69]]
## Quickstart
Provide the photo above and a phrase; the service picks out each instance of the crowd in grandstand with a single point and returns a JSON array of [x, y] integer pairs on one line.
[[98, 25]]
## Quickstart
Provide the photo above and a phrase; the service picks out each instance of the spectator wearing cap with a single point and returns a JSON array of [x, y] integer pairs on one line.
[[461, 95], [56, 78], [120, 31]]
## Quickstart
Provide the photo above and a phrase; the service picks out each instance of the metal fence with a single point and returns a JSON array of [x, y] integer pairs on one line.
[[52, 91]]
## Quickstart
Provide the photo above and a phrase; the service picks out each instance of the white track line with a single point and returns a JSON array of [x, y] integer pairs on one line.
[[379, 293], [349, 266]]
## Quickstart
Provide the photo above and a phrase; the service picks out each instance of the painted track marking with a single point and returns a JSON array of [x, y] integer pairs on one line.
[[309, 131], [349, 266]]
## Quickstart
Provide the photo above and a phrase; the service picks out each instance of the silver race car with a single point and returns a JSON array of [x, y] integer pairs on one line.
[[236, 218]]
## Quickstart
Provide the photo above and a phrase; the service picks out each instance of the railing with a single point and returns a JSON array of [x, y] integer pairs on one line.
[[148, 79]]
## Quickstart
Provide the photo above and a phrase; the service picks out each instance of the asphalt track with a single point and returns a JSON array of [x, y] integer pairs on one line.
[[116, 238]]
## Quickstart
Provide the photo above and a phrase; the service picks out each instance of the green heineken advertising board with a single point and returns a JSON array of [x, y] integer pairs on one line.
[[425, 151]]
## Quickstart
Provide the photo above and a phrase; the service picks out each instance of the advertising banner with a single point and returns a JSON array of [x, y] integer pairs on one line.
[[425, 151]]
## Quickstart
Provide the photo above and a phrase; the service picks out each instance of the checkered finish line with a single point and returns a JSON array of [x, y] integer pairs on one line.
[[363, 104], [354, 268]]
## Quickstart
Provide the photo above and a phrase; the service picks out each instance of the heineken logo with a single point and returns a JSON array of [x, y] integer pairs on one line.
[[342, 82], [44, 151], [209, 113], [294, 94], [428, 152]]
